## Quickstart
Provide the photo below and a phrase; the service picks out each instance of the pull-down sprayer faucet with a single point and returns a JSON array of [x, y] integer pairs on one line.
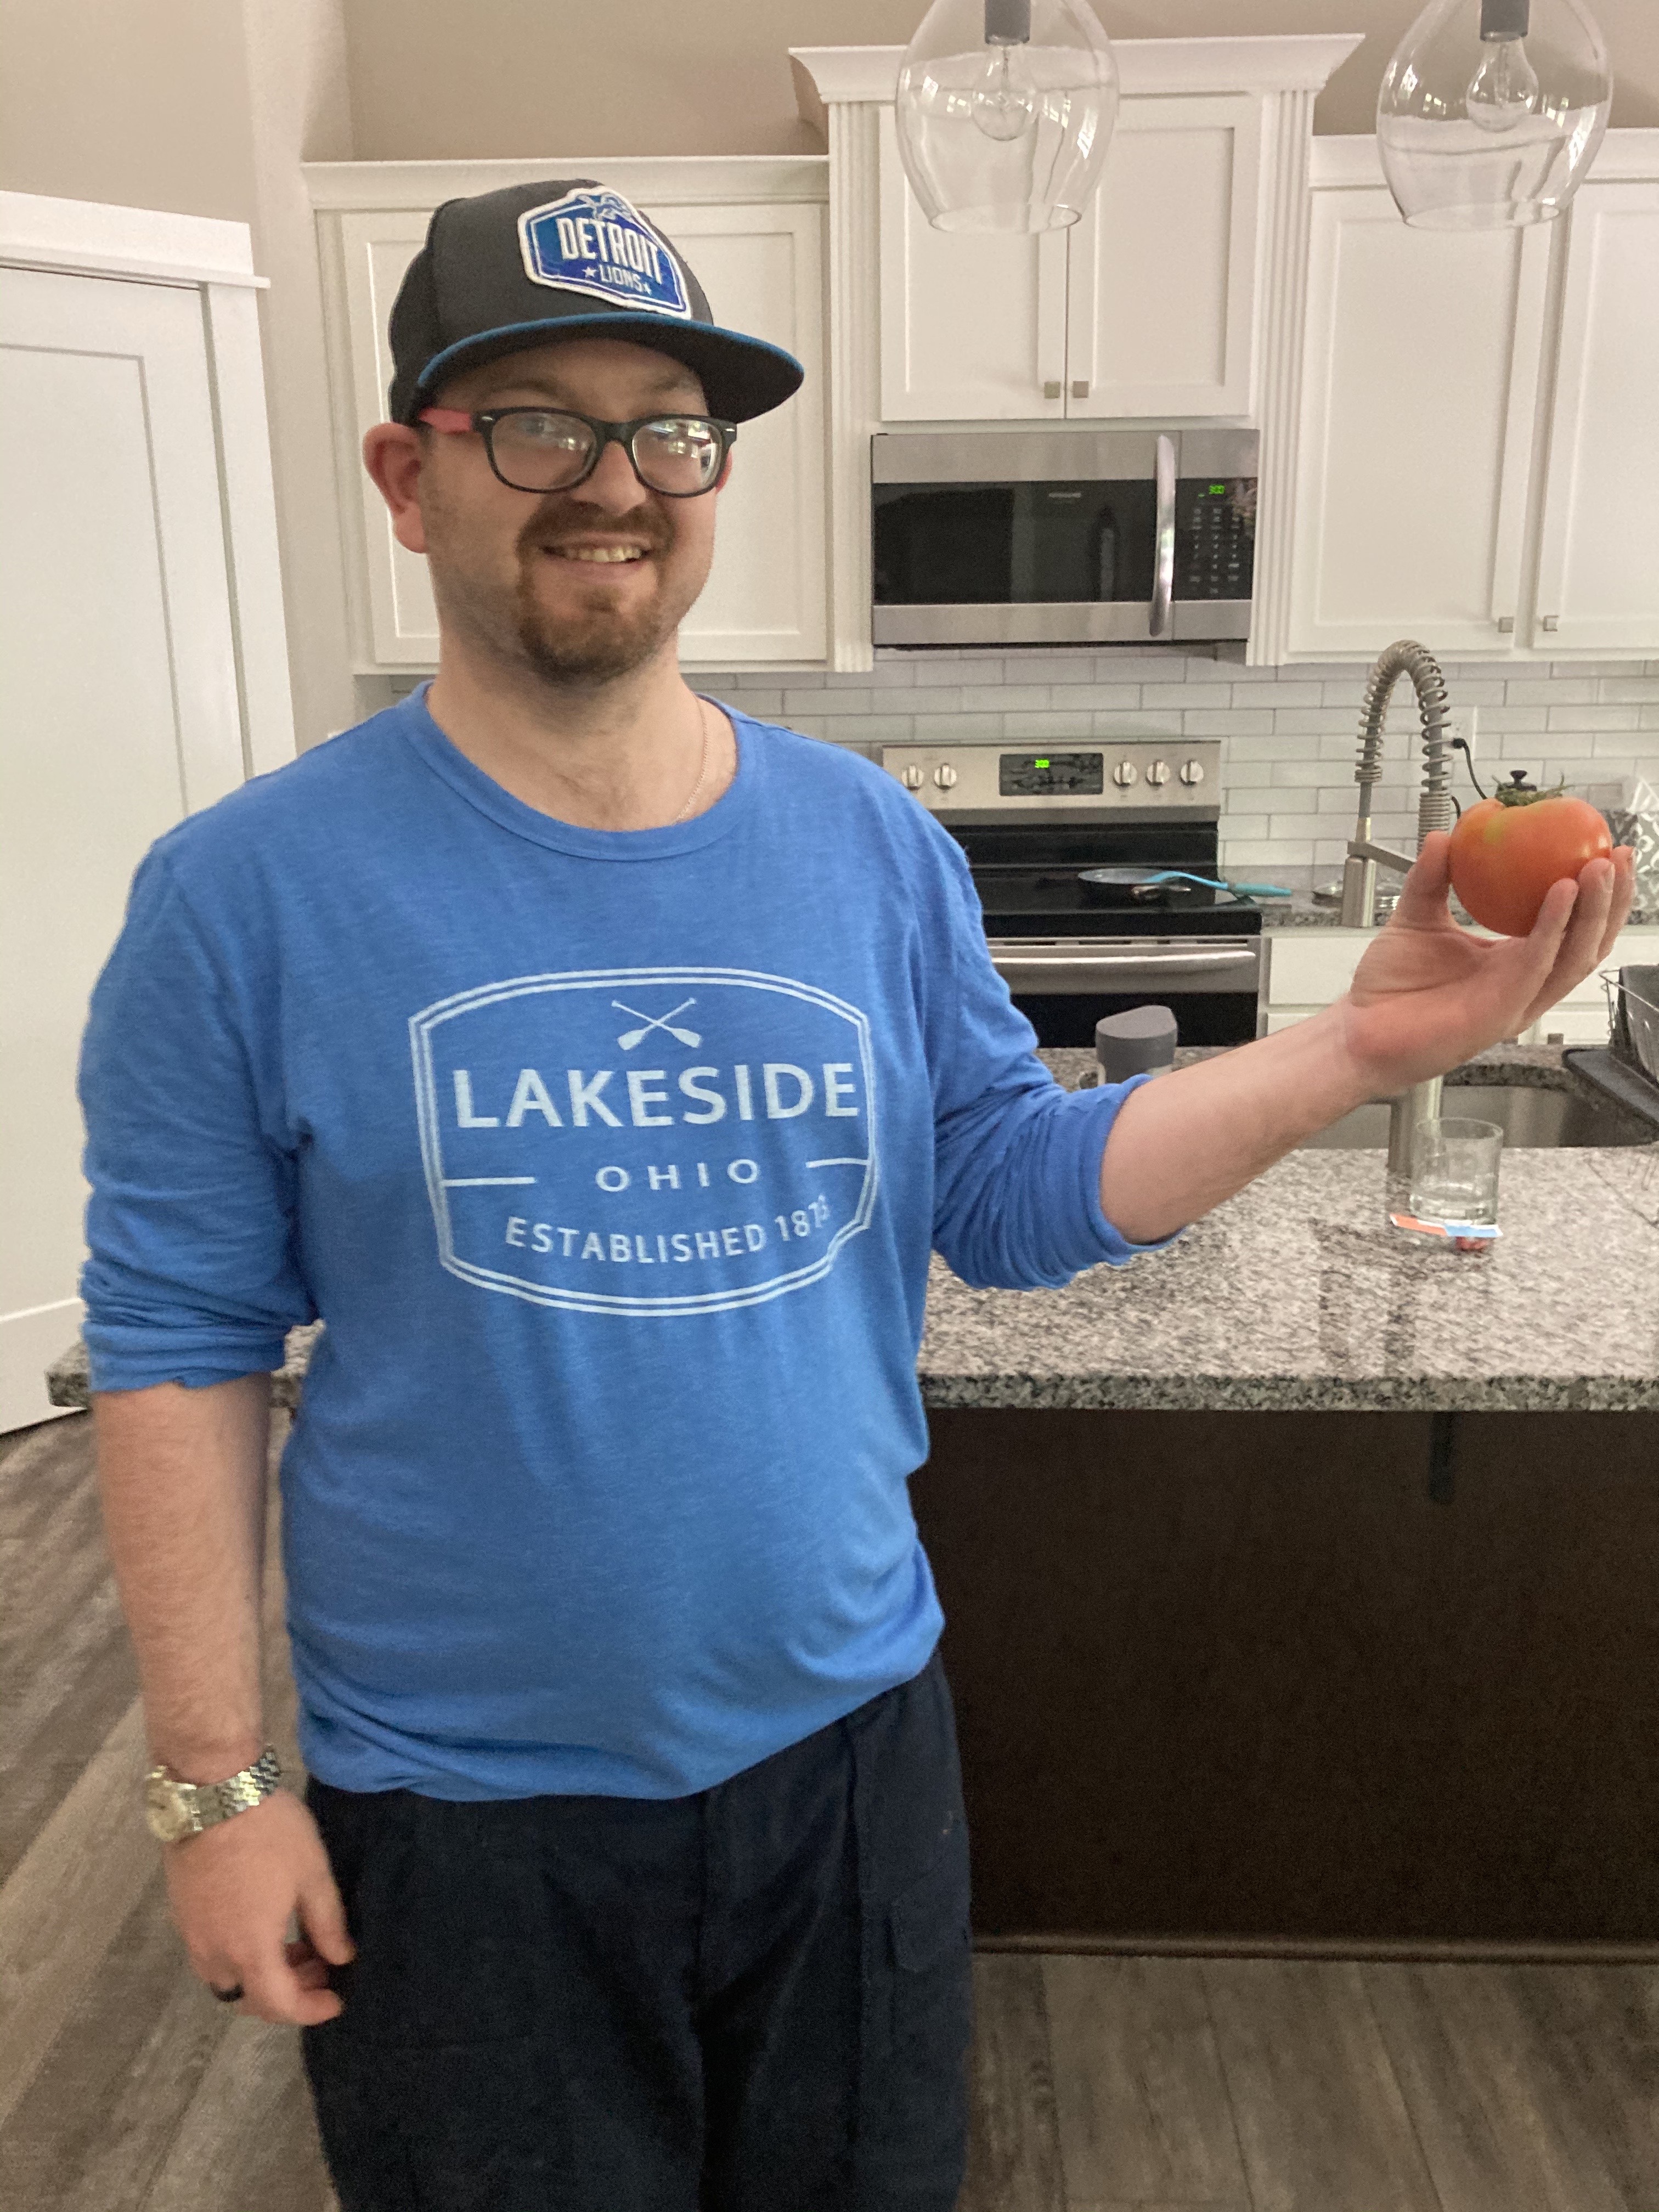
[[1434, 811]]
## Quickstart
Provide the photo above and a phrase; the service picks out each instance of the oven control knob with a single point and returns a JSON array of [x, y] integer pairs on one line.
[[1192, 772], [945, 777], [1158, 772], [911, 777], [1125, 773]]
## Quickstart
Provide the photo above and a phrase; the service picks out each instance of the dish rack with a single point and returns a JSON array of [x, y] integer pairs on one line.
[[1633, 1018]]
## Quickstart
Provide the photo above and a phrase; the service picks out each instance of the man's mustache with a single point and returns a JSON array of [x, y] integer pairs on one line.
[[566, 521]]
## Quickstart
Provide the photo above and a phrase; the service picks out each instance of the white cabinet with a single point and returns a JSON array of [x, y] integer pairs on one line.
[[1419, 385], [972, 328], [761, 262], [1598, 577], [1418, 509], [1086, 322]]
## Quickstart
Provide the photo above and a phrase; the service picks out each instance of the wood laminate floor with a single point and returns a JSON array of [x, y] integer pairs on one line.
[[1100, 2084]]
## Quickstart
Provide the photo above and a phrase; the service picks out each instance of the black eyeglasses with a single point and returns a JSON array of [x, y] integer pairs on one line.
[[550, 449]]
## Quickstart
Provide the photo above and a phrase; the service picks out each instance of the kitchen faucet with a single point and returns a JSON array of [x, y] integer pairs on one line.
[[1434, 811]]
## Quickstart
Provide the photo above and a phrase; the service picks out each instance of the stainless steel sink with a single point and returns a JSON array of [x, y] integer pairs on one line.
[[1528, 1118]]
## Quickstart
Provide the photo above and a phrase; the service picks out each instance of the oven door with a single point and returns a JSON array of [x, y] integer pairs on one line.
[[1065, 985], [1056, 538]]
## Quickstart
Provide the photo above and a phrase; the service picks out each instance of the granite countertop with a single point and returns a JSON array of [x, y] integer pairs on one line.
[[1296, 1294]]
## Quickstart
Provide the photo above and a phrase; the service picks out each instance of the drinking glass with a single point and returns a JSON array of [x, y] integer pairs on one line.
[[1454, 1175]]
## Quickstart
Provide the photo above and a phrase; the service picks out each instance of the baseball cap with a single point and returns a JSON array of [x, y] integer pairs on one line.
[[503, 270]]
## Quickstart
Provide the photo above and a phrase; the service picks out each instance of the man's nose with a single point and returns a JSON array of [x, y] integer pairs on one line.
[[613, 484]]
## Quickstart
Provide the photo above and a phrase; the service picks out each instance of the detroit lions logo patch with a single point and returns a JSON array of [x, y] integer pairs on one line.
[[593, 241]]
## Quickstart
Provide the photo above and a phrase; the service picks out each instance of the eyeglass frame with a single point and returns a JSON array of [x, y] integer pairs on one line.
[[457, 420]]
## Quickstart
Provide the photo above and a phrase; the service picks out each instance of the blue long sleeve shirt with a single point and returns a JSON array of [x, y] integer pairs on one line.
[[612, 1160]]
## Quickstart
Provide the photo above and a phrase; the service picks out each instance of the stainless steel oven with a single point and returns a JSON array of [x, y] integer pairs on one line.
[[1064, 843], [1125, 534]]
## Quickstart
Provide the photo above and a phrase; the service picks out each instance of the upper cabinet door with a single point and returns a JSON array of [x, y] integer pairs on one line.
[[973, 328], [1420, 387], [762, 268], [1162, 264], [396, 623], [1598, 578]]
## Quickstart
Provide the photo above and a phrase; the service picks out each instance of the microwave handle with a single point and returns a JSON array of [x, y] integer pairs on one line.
[[1164, 569]]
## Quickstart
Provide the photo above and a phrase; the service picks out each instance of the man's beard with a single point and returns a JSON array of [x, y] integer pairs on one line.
[[594, 644]]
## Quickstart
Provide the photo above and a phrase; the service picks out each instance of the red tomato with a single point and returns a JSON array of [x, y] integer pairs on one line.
[[1504, 856]]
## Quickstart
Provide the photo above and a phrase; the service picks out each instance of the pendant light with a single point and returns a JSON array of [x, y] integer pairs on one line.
[[1004, 109], [1492, 111]]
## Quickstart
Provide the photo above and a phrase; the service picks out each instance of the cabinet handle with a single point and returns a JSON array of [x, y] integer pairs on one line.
[[1080, 388], [1506, 623], [1551, 622], [1051, 391]]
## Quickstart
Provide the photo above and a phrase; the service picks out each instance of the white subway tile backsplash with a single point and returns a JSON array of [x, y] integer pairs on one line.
[[1008, 698], [1187, 697], [1054, 722], [1109, 723], [1509, 721], [1594, 718], [1278, 695], [954, 729], [1290, 735], [1231, 721], [1558, 691], [1097, 695]]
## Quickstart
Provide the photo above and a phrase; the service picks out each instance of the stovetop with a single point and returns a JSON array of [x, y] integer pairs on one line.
[[1029, 881]]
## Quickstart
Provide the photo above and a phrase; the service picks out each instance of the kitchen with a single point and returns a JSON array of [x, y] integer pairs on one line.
[[1266, 1635]]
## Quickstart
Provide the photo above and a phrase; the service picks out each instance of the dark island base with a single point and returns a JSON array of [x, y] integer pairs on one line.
[[1239, 1676]]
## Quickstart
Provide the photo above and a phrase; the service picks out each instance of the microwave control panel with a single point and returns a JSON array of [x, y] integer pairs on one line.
[[1215, 537]]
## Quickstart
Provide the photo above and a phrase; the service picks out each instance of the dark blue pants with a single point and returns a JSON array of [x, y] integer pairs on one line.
[[755, 1999]]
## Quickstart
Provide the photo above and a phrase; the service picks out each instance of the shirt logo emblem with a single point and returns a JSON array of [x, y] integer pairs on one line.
[[593, 241], [563, 1169]]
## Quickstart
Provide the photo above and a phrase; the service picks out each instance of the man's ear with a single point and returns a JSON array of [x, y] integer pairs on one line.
[[725, 469], [393, 455]]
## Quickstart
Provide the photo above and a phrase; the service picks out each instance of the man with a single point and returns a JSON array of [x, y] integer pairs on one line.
[[602, 1065]]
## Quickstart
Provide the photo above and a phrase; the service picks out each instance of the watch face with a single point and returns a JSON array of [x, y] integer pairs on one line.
[[165, 1808]]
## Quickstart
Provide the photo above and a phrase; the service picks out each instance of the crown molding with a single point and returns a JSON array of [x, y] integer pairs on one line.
[[664, 181], [828, 75], [88, 238]]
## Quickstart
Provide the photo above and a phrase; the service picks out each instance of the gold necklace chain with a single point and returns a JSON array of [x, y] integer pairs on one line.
[[702, 770]]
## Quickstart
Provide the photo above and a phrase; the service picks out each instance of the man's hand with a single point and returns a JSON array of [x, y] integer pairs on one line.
[[233, 1889], [1429, 994], [1426, 996]]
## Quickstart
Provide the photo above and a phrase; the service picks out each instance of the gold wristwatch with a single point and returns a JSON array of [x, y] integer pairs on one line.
[[174, 1809]]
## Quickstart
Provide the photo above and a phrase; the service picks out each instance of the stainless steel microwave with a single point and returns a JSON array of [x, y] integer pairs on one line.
[[1122, 534]]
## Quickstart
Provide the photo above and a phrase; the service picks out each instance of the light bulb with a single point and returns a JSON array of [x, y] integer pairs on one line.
[[1504, 90], [1004, 100]]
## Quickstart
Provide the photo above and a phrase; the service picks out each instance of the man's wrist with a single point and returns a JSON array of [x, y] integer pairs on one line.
[[190, 1763]]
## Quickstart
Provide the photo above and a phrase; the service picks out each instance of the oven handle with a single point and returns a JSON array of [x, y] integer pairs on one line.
[[1164, 569], [1039, 968]]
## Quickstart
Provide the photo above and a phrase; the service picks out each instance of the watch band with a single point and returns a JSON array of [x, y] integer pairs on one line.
[[174, 1808]]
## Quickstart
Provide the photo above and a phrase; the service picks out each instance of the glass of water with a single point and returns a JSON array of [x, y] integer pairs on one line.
[[1454, 1170]]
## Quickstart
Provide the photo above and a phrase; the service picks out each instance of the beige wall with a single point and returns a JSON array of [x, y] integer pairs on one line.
[[140, 105], [208, 107], [512, 77]]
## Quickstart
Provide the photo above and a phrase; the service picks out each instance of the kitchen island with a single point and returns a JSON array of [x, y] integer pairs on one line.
[[1301, 1583]]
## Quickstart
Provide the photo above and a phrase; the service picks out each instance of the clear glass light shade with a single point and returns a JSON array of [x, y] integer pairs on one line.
[[1004, 110], [1492, 111]]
